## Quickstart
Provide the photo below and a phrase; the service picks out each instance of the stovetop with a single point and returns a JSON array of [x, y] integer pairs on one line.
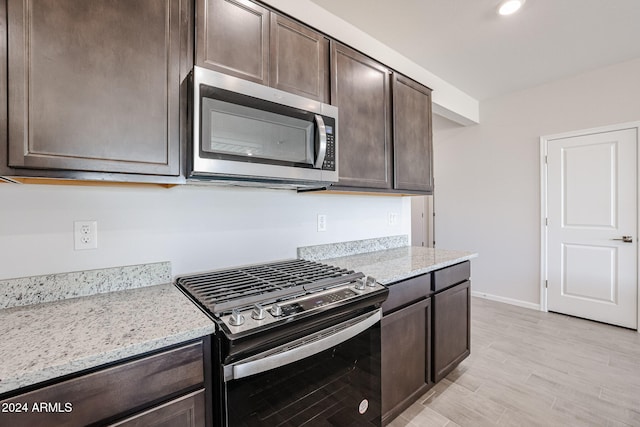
[[256, 296]]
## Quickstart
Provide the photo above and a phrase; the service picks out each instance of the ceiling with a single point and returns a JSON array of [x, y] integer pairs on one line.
[[485, 55]]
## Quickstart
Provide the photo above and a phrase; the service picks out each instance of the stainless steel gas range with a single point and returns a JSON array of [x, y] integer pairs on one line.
[[297, 343]]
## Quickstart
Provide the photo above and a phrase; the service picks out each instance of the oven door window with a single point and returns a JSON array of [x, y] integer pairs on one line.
[[337, 387], [248, 134]]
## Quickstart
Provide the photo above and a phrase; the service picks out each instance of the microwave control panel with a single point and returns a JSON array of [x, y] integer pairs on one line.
[[330, 157]]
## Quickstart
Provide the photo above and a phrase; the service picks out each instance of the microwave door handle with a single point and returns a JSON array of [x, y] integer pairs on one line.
[[322, 132], [244, 369]]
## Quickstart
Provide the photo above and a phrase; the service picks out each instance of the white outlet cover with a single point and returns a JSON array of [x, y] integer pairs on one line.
[[393, 218], [85, 235], [322, 222]]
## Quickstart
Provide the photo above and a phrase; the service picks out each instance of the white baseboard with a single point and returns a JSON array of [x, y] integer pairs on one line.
[[506, 300]]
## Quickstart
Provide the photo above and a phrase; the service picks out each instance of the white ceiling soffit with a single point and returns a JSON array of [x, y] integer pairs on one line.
[[485, 55], [448, 100]]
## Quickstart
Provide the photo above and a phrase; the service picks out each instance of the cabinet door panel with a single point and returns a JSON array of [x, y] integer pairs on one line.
[[94, 85], [451, 329], [233, 38], [406, 357], [187, 411], [3, 83], [360, 90], [299, 59], [412, 146]]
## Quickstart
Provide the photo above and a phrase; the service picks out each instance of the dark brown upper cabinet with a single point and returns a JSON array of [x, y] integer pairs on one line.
[[360, 88], [95, 85], [299, 59], [412, 136], [233, 38], [3, 81], [246, 40]]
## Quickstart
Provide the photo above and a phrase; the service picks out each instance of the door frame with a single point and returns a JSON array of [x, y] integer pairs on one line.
[[544, 141], [422, 213]]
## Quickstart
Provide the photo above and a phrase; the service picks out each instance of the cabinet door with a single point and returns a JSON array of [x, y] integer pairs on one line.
[[406, 357], [94, 85], [3, 81], [233, 38], [299, 59], [360, 88], [412, 137], [451, 329], [186, 411]]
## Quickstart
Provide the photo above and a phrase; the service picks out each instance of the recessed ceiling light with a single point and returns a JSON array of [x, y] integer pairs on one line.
[[508, 7]]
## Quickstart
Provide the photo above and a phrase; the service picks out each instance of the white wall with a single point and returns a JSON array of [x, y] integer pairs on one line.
[[196, 228], [487, 177]]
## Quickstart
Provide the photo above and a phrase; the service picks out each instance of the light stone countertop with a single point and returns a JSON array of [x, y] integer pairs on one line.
[[392, 265], [44, 341]]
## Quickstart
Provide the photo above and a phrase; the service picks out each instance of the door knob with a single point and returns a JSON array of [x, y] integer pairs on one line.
[[626, 239]]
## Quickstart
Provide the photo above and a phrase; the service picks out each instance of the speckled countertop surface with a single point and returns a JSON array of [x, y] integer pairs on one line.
[[44, 341], [392, 265]]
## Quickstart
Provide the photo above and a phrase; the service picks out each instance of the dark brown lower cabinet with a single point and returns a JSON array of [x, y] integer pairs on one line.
[[451, 328], [186, 411], [166, 388], [406, 357], [425, 334]]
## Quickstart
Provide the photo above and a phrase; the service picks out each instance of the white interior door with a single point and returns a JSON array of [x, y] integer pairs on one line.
[[591, 205]]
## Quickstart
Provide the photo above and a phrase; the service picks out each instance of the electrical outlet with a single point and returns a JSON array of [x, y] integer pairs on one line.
[[85, 235], [322, 223], [393, 218]]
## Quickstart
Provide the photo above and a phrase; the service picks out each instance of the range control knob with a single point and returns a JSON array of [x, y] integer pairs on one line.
[[371, 282], [258, 312], [236, 318], [361, 283], [276, 310]]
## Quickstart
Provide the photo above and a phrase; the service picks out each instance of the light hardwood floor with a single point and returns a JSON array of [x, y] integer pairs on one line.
[[529, 368]]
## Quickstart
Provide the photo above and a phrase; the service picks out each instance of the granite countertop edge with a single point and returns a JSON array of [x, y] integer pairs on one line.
[[393, 265], [95, 361], [84, 333], [428, 269]]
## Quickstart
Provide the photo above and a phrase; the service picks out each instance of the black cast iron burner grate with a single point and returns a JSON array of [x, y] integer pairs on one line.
[[223, 290]]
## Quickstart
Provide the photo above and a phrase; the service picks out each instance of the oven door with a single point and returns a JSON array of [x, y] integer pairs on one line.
[[331, 378]]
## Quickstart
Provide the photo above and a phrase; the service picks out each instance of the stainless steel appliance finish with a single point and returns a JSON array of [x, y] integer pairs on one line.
[[301, 348], [257, 296], [246, 133], [297, 342]]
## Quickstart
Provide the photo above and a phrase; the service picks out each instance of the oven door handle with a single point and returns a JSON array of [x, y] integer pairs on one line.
[[323, 341]]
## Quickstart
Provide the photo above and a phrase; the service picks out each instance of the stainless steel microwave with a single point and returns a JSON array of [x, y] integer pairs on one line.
[[249, 134]]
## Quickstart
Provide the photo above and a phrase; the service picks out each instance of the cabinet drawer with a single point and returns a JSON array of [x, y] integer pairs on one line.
[[185, 411], [406, 292], [117, 390], [450, 276]]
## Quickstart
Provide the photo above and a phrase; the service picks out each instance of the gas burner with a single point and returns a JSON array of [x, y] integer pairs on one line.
[[257, 296]]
